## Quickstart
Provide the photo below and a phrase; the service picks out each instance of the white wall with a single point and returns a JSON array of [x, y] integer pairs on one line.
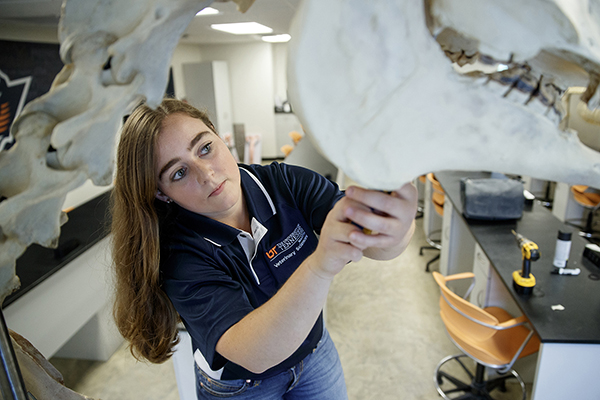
[[251, 80], [10, 30], [280, 70]]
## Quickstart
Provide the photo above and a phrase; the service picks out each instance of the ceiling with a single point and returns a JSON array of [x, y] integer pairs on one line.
[[276, 14]]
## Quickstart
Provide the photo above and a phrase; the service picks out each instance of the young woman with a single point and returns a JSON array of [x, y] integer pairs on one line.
[[232, 251]]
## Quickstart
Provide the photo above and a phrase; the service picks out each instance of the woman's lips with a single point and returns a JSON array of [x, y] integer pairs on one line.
[[218, 190]]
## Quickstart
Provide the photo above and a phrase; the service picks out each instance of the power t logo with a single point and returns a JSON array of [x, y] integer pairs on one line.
[[288, 247], [272, 253]]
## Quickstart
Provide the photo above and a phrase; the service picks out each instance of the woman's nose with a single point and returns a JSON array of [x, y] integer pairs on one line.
[[203, 171]]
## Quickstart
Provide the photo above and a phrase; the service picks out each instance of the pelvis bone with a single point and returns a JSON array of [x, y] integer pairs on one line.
[[381, 87], [109, 50]]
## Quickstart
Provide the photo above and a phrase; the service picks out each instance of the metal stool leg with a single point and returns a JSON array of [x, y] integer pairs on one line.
[[473, 385], [11, 380]]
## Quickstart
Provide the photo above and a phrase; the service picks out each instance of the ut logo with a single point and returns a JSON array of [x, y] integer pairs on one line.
[[271, 253]]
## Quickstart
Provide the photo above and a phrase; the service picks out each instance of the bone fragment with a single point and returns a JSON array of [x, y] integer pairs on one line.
[[242, 5], [41, 379], [592, 117]]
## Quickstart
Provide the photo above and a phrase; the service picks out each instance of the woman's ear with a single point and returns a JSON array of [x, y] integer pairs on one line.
[[162, 197]]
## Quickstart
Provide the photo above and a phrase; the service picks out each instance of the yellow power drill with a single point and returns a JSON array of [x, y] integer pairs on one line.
[[524, 281]]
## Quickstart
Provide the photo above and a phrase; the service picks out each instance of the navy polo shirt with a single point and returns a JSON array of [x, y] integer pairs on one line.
[[215, 274]]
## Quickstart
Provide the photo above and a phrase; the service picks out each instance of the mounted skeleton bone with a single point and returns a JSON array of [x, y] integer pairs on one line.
[[381, 99], [373, 86]]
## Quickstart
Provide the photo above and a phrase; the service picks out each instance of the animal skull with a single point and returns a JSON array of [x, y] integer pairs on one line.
[[375, 86]]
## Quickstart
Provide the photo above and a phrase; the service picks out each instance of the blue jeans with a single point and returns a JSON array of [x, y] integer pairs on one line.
[[318, 376]]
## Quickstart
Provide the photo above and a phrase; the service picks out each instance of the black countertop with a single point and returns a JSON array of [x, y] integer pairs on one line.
[[579, 322], [87, 225]]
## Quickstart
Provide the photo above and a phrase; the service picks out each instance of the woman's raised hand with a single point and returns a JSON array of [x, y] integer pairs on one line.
[[387, 219]]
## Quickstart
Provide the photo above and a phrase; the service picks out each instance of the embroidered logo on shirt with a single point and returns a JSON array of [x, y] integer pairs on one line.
[[295, 239]]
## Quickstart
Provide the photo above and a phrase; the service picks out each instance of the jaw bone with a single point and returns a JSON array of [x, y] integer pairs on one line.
[[382, 100]]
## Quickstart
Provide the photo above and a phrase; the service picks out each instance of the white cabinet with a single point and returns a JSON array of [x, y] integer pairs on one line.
[[207, 86], [458, 245], [68, 314], [489, 290], [564, 206], [184, 365], [481, 269], [284, 124]]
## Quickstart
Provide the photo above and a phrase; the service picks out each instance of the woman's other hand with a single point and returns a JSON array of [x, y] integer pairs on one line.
[[389, 218]]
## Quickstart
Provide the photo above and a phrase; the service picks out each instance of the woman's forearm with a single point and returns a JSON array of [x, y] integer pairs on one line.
[[273, 332]]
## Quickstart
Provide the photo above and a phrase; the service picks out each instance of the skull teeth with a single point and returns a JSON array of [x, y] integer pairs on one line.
[[592, 88], [520, 84], [461, 58], [589, 98]]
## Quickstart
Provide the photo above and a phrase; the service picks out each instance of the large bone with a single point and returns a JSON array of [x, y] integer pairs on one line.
[[381, 100], [110, 53]]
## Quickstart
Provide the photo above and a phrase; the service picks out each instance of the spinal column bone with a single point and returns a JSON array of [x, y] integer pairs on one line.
[[115, 54], [381, 98]]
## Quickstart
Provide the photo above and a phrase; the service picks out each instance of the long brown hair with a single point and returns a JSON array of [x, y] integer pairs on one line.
[[142, 311]]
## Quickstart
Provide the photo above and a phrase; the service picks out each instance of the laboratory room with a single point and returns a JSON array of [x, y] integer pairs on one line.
[[299, 199]]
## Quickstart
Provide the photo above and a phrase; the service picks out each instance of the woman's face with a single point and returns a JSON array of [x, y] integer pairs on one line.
[[196, 170]]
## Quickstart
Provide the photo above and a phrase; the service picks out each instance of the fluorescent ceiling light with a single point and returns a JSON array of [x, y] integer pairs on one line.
[[277, 38], [243, 28], [207, 11]]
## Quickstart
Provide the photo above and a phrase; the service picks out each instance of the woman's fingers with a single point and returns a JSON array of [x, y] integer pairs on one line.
[[386, 216], [400, 204], [335, 248], [394, 203]]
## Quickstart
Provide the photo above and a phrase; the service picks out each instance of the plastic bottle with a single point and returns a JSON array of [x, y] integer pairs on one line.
[[563, 248]]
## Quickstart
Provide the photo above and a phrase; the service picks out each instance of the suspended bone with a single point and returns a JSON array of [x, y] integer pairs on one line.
[[109, 50], [375, 86], [68, 135]]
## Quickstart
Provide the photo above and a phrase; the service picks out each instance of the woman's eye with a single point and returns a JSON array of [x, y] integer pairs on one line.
[[180, 173], [206, 148]]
